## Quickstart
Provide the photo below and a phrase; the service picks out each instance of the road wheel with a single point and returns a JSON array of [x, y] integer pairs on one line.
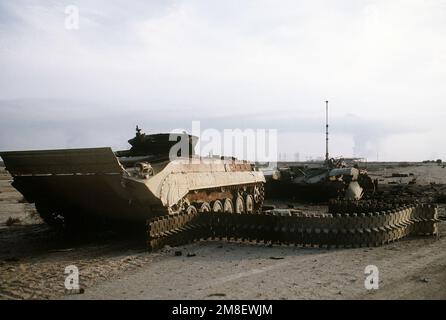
[[205, 207], [249, 203], [227, 206], [217, 206], [191, 209], [259, 195], [239, 205]]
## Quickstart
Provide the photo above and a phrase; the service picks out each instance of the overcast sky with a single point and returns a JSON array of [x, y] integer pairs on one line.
[[231, 64]]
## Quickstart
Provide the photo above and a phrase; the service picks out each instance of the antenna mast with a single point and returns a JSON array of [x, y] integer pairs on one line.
[[326, 131]]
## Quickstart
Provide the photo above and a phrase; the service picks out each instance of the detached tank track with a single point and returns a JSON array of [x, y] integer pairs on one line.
[[327, 230], [365, 206]]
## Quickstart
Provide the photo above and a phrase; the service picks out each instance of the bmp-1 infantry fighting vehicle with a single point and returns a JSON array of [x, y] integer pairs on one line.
[[74, 187]]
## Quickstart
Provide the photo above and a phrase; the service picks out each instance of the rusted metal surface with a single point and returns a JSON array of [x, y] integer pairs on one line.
[[180, 178]]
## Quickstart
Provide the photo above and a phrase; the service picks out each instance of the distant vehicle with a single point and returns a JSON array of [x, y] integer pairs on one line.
[[332, 180]]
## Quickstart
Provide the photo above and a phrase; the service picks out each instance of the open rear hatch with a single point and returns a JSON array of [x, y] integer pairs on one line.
[[76, 181], [62, 162]]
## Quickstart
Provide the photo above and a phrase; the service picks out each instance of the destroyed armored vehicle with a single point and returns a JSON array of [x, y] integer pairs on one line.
[[332, 180], [74, 187]]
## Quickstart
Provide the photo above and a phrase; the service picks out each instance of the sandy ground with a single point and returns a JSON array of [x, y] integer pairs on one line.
[[33, 259]]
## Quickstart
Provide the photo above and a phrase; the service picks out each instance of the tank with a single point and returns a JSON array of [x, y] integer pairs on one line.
[[75, 187], [334, 179]]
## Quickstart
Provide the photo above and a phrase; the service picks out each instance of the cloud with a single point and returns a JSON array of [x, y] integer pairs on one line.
[[73, 124], [252, 63]]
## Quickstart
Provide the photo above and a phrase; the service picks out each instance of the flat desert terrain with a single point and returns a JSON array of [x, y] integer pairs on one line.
[[117, 266]]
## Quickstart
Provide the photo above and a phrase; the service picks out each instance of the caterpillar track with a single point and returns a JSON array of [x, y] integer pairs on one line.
[[351, 206], [288, 227]]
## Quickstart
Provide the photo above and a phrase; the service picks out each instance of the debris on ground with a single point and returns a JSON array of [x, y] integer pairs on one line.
[[74, 291], [399, 175], [217, 295]]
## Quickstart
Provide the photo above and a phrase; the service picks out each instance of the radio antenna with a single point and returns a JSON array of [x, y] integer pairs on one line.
[[326, 131]]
